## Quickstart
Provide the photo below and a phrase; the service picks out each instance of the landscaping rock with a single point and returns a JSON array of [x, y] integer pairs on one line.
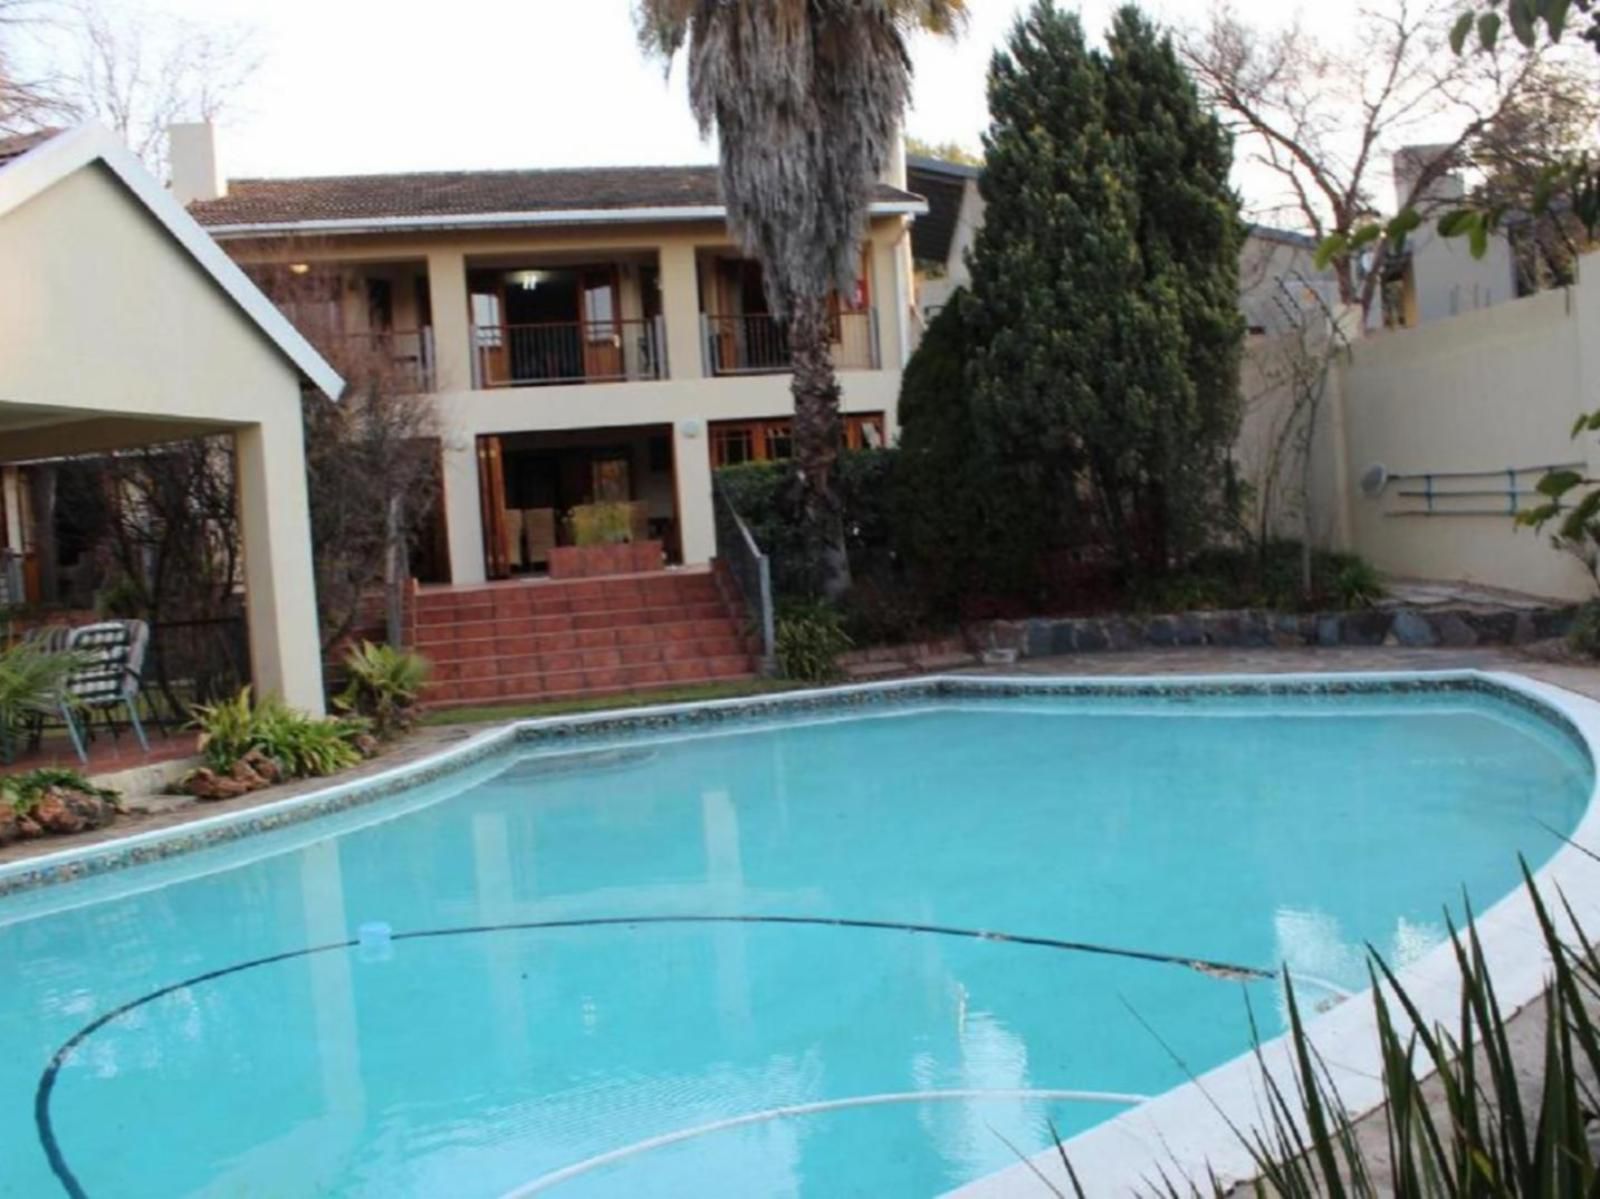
[[64, 811], [245, 775], [28, 828], [8, 824], [1330, 630], [367, 745], [1189, 630], [1091, 638], [1366, 628], [207, 784], [1412, 629], [1454, 631], [1161, 631], [263, 767]]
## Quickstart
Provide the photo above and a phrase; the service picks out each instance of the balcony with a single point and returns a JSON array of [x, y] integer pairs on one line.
[[759, 344], [613, 351]]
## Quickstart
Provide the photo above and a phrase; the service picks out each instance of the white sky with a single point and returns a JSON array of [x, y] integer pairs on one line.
[[363, 85], [352, 86]]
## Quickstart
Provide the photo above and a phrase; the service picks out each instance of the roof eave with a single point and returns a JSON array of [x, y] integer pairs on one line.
[[912, 207], [37, 169]]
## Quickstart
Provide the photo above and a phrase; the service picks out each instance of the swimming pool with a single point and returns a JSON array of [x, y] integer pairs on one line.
[[873, 942]]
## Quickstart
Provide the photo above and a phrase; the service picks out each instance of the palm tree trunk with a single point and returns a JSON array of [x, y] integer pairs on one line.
[[816, 445]]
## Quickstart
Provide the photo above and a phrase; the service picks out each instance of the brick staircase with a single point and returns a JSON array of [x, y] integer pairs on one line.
[[542, 640]]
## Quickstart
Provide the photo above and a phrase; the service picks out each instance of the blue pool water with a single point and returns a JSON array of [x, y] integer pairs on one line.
[[489, 1054]]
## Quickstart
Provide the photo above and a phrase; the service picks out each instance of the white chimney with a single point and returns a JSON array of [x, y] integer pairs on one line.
[[192, 156]]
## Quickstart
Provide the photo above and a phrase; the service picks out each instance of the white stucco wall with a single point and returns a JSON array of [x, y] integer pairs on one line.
[[1488, 390], [111, 335]]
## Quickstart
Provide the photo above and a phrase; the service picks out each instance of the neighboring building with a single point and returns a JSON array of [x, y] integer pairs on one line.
[[1280, 284], [590, 336], [941, 239], [122, 325], [1437, 277]]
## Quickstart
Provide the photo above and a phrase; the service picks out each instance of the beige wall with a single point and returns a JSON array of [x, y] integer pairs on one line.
[[1484, 391], [112, 336], [687, 401]]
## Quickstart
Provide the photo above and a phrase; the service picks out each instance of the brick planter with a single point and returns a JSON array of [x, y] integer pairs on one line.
[[597, 561]]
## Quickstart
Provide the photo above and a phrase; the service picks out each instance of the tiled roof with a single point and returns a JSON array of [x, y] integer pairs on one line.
[[944, 184], [463, 194]]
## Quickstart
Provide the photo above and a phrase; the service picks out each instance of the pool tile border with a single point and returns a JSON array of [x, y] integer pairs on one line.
[[158, 845]]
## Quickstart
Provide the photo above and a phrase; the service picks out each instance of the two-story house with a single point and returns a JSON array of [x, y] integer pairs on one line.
[[589, 336]]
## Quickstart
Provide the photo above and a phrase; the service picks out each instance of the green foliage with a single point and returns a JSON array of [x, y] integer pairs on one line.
[[964, 520], [762, 493], [602, 524], [23, 791], [1270, 578], [30, 686], [1105, 321], [810, 638], [383, 687], [1355, 583], [1584, 636], [301, 745]]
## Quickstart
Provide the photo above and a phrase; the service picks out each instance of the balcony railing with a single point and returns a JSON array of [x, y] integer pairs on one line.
[[568, 352], [759, 344], [408, 353]]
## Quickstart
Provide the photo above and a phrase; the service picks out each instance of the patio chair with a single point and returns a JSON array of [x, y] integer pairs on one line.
[[113, 653]]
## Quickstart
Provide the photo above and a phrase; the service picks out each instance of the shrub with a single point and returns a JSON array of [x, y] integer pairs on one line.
[[300, 745], [23, 791], [1584, 636], [810, 639], [383, 686], [1356, 583], [602, 524]]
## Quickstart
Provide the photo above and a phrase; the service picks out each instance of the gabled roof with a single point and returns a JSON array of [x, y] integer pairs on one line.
[[34, 162], [467, 199], [1285, 237]]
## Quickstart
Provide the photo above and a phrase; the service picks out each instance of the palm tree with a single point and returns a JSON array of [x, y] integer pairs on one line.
[[805, 97]]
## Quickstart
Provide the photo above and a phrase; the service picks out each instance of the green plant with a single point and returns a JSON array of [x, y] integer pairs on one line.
[[30, 686], [23, 791], [301, 745], [602, 524], [1356, 583], [1584, 636], [383, 687], [810, 638]]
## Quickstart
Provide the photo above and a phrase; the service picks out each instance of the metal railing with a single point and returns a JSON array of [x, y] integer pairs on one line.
[[568, 352], [751, 570], [759, 344], [409, 352]]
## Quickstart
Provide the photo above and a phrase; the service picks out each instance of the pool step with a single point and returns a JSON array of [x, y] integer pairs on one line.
[[531, 641]]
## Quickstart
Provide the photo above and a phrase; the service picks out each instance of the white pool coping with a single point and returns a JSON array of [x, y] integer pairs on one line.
[[1185, 1131]]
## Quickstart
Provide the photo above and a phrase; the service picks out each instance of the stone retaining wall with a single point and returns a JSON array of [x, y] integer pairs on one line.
[[1456, 627]]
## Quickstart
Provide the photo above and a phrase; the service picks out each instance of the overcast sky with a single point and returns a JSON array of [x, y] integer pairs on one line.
[[361, 85]]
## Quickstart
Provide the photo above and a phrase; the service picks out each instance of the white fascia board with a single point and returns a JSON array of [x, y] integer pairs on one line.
[[29, 174], [500, 220]]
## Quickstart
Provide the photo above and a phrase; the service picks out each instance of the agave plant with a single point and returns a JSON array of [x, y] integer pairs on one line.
[[806, 98]]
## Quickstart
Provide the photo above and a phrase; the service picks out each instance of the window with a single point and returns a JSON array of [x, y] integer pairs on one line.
[[732, 445]]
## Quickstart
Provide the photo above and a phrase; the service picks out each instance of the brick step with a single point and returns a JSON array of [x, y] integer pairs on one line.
[[487, 639], [536, 600], [504, 665], [588, 618], [573, 684]]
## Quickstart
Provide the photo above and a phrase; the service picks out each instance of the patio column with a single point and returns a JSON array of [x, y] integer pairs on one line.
[[280, 595], [691, 460], [463, 511], [452, 333], [680, 307]]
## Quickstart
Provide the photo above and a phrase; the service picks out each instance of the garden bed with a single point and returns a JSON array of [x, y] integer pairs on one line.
[[1456, 628]]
